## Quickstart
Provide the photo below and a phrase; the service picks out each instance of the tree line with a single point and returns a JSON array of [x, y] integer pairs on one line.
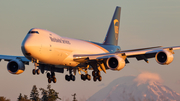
[[47, 95]]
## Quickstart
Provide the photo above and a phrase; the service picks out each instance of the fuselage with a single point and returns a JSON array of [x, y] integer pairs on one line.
[[50, 48]]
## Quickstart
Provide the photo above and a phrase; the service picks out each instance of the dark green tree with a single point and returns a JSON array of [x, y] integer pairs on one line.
[[2, 98], [49, 94], [74, 97], [44, 94], [21, 98], [34, 96], [26, 98]]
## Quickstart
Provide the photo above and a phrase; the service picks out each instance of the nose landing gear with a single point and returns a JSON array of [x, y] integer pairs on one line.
[[36, 71]]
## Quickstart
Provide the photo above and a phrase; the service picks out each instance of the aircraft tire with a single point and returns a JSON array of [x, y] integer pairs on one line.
[[49, 80], [33, 71], [88, 77], [100, 78], [93, 73], [48, 75], [54, 79], [38, 71], [98, 73], [73, 78], [67, 78], [82, 76], [94, 78]]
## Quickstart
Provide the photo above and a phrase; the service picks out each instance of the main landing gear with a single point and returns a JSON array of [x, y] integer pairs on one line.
[[96, 75], [70, 77], [51, 77], [85, 77]]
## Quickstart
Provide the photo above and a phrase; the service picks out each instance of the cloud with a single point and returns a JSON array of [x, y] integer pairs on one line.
[[146, 77]]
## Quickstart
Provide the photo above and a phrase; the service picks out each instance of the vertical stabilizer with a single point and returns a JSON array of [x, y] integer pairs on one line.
[[113, 31]]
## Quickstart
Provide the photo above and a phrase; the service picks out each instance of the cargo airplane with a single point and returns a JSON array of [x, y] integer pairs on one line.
[[53, 53]]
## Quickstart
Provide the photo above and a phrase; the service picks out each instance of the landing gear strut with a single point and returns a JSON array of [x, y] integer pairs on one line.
[[51, 77], [36, 64]]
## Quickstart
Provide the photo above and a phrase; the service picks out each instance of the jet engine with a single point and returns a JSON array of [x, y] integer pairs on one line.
[[115, 63], [164, 57], [15, 66]]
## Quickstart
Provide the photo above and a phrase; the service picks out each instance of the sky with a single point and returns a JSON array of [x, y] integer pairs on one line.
[[143, 24]]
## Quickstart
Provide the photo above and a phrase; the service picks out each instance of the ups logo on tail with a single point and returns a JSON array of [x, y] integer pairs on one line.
[[116, 28]]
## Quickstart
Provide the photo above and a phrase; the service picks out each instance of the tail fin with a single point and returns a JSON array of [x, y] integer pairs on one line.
[[113, 31]]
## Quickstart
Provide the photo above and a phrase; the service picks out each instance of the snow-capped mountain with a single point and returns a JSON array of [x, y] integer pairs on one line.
[[141, 88]]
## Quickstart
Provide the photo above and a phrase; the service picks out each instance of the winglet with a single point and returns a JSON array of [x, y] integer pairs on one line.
[[113, 31]]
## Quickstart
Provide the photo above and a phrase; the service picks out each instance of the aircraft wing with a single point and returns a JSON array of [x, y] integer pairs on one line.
[[9, 58], [139, 54]]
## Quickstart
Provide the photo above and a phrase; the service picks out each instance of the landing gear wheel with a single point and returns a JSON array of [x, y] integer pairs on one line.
[[82, 76], [67, 78], [48, 75], [33, 71], [99, 78], [93, 73], [54, 79], [38, 71], [88, 77], [49, 80], [98, 73], [73, 78], [94, 78]]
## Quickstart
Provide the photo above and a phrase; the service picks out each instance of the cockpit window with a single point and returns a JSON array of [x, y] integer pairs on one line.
[[33, 32]]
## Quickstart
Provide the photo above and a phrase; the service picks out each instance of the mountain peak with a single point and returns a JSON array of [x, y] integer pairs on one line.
[[147, 77], [144, 87]]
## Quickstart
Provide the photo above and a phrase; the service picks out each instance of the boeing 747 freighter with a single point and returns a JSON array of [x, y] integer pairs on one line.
[[53, 53]]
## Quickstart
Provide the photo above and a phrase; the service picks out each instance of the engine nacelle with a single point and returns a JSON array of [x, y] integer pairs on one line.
[[15, 66], [164, 57], [115, 63]]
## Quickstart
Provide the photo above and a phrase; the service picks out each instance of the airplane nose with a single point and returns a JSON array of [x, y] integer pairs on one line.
[[31, 47], [26, 48]]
